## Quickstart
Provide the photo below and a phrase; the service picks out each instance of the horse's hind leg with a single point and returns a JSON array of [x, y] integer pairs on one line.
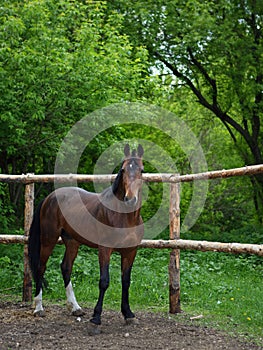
[[71, 252], [45, 253]]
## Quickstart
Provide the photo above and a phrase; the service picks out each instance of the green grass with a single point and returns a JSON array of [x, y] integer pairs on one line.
[[225, 289]]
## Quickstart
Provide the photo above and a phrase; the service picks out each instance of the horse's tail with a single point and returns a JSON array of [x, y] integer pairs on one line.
[[34, 242]]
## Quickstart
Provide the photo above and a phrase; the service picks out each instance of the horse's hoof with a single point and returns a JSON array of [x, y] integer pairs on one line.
[[94, 329], [78, 312], [95, 321], [39, 313], [132, 320]]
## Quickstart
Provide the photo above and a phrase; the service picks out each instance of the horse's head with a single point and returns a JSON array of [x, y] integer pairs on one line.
[[132, 168]]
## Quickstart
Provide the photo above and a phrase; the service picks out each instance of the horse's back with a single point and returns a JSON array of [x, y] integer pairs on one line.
[[70, 197]]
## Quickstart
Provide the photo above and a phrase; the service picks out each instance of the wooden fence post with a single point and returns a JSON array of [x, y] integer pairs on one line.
[[174, 265], [29, 211]]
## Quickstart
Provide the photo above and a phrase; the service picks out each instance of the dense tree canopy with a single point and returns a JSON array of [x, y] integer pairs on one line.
[[214, 49], [60, 60]]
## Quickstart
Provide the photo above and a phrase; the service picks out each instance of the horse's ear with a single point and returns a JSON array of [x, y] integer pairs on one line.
[[140, 151], [127, 150]]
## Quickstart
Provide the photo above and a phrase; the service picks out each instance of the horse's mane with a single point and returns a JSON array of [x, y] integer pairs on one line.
[[112, 190], [116, 182]]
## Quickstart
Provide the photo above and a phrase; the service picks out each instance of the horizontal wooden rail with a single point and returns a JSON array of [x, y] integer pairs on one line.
[[158, 177], [205, 246], [235, 248]]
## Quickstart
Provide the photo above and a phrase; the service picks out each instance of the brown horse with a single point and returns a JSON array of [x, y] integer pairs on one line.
[[109, 221]]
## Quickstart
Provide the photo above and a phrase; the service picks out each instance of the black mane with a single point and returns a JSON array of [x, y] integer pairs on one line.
[[117, 181], [112, 190]]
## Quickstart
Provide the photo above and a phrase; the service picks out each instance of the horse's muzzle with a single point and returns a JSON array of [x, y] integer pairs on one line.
[[130, 202]]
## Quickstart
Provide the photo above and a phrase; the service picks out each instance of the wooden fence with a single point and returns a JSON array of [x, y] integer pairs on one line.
[[174, 243]]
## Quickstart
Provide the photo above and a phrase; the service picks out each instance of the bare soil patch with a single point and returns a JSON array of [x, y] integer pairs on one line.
[[19, 329]]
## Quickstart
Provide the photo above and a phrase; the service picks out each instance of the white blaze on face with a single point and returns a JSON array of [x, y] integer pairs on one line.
[[132, 190]]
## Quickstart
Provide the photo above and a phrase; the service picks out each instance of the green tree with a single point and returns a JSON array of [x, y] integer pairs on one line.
[[215, 50], [59, 60]]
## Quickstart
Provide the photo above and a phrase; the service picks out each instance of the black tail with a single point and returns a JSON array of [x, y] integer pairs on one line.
[[34, 242]]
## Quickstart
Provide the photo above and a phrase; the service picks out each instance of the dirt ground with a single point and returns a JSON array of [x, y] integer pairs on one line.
[[19, 329]]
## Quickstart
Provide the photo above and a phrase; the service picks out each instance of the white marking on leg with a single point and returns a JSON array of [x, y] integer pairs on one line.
[[38, 303], [71, 299]]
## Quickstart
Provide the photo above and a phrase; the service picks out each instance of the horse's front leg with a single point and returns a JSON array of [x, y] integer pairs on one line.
[[127, 259], [104, 261]]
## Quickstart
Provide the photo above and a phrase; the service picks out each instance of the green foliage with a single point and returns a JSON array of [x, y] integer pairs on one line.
[[58, 62], [211, 53], [6, 209], [11, 269], [61, 60]]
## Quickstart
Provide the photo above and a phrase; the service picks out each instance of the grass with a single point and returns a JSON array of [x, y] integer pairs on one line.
[[225, 289]]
